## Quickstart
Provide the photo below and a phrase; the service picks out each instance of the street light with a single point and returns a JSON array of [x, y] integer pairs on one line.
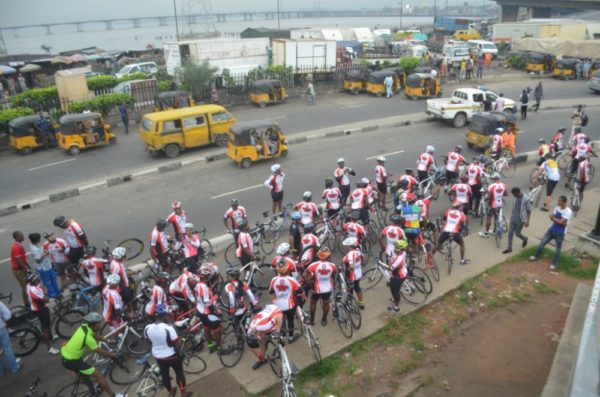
[[176, 23], [278, 24], [401, 11]]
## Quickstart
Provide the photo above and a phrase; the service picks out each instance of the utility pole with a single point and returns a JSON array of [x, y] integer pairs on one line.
[[401, 12], [278, 23], [176, 22], [3, 51]]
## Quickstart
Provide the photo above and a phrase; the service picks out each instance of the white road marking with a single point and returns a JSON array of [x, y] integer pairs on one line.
[[351, 107], [237, 191], [51, 164], [384, 154], [8, 259], [283, 116]]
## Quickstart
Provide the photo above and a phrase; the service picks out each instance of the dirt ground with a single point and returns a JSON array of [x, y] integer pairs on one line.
[[494, 336]]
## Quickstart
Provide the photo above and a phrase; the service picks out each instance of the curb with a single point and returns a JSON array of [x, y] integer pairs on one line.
[[12, 208]]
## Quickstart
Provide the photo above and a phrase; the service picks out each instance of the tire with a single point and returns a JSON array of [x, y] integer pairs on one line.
[[230, 257], [354, 312], [262, 104], [371, 278], [206, 247], [74, 150], [563, 161], [137, 346], [112, 140], [413, 291], [145, 387], [133, 246], [25, 151], [193, 364], [420, 274], [24, 341], [262, 277], [314, 344], [172, 150], [123, 375], [509, 170], [233, 344], [77, 389], [271, 235], [344, 322], [221, 140], [460, 120], [274, 358], [245, 163], [67, 324], [435, 192], [433, 266], [532, 179]]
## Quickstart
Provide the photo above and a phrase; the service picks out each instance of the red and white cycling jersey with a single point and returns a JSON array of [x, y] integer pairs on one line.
[[291, 265], [244, 242], [454, 220], [424, 204], [308, 210], [284, 288], [95, 270], [474, 172], [497, 191], [358, 199], [117, 267], [380, 174], [582, 149], [354, 229], [333, 197], [35, 295], [178, 221], [453, 160], [353, 262], [584, 173], [157, 297], [369, 190], [158, 242], [496, 143], [392, 234], [397, 265], [341, 175], [309, 240], [322, 273], [181, 287], [74, 234], [411, 180], [112, 302], [58, 250], [462, 192], [424, 162], [188, 245], [204, 298], [236, 215], [579, 138], [235, 300], [275, 182], [265, 320]]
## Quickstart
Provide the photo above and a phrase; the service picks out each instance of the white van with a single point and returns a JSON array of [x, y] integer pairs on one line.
[[482, 47], [149, 68], [456, 53]]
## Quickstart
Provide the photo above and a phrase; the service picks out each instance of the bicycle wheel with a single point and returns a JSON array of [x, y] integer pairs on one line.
[[574, 201], [147, 386], [137, 346], [122, 375], [67, 324], [366, 251], [232, 346], [509, 169], [431, 266], [500, 230], [354, 312], [262, 276], [371, 278], [273, 356], [206, 247], [133, 247], [373, 231], [24, 341], [449, 257], [413, 291], [230, 257], [193, 364], [289, 391], [481, 211], [424, 280], [313, 341], [563, 161], [267, 247], [79, 388], [343, 320]]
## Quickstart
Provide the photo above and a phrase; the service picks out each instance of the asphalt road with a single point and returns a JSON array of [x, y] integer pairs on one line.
[[44, 172]]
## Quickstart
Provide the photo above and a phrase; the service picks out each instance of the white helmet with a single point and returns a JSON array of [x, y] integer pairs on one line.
[[430, 149], [340, 160], [495, 175], [306, 195], [365, 180], [119, 253], [189, 226], [350, 242], [275, 167], [113, 279], [283, 249], [381, 158], [499, 130]]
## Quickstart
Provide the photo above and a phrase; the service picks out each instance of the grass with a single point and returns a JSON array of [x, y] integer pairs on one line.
[[493, 270], [543, 288], [568, 264]]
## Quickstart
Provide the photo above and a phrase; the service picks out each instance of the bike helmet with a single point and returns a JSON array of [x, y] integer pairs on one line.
[[430, 149], [233, 273], [92, 318], [48, 234], [162, 310], [176, 204], [307, 195], [380, 159], [252, 340], [499, 130], [323, 253], [340, 160], [408, 171], [282, 266], [396, 218], [350, 242], [119, 253], [410, 197], [495, 175], [161, 224], [541, 140], [32, 277], [401, 244], [309, 227], [403, 184], [90, 250], [458, 148], [354, 215], [189, 226], [59, 221], [204, 271], [296, 216], [365, 181], [283, 249], [328, 183], [561, 130], [113, 279], [275, 167], [234, 202], [162, 278]]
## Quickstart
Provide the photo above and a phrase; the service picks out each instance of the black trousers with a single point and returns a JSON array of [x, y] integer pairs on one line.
[[175, 362]]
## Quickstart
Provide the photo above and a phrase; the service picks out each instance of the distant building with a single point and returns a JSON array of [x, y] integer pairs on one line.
[[252, 33]]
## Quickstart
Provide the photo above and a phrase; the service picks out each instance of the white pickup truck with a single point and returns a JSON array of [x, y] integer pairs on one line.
[[463, 103]]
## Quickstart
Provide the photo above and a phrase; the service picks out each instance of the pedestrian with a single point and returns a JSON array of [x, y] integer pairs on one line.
[[14, 364], [12, 88], [578, 69], [576, 121], [43, 124], [487, 104], [18, 262], [444, 66], [388, 82], [43, 265], [519, 218], [275, 184], [310, 91], [499, 103], [463, 70], [587, 64], [509, 141], [469, 68], [488, 59], [480, 63], [22, 83], [524, 99], [124, 116], [560, 217], [538, 95]]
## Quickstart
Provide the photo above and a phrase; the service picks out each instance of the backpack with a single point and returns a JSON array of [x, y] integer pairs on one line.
[[584, 119]]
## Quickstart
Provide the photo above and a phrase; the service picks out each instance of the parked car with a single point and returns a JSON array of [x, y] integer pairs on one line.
[[594, 83], [148, 68]]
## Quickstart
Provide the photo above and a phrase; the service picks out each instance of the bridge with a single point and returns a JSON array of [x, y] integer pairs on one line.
[[510, 9]]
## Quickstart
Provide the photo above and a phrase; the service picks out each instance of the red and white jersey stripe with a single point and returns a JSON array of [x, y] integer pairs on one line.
[[112, 301], [58, 250], [322, 273], [284, 288], [157, 297], [95, 270], [244, 242], [74, 234], [178, 221], [35, 295], [117, 267]]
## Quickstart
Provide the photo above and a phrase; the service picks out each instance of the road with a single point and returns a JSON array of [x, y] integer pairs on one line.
[[130, 210], [44, 172]]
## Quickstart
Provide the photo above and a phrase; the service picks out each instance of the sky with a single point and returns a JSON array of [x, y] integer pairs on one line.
[[26, 12]]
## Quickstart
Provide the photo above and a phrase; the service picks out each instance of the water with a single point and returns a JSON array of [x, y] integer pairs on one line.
[[64, 38]]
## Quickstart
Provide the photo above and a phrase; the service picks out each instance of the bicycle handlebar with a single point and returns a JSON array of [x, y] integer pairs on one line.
[[8, 298]]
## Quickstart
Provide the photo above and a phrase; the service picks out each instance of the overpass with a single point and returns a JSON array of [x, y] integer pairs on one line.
[[510, 9]]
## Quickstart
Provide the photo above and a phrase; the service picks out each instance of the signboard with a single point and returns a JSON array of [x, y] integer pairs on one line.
[[172, 57]]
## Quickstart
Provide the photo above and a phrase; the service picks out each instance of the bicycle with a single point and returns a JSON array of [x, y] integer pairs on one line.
[[192, 339], [575, 198], [133, 248], [233, 339], [564, 157], [430, 262], [500, 226], [32, 390], [264, 235], [432, 185], [504, 166], [348, 300], [309, 333], [341, 314], [146, 381], [281, 365]]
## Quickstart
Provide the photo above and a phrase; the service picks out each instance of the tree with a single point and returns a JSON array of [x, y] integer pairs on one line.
[[198, 78]]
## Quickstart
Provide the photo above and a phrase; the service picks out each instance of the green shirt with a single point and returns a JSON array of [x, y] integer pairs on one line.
[[74, 349]]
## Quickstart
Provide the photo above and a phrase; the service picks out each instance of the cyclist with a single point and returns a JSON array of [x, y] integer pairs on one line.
[[275, 184], [283, 254], [177, 218], [38, 303], [333, 198], [412, 220], [353, 268], [359, 201], [117, 267], [496, 144], [58, 249], [112, 302], [157, 295], [408, 180], [245, 245], [550, 168], [398, 265], [453, 160], [556, 143], [584, 175], [341, 176], [543, 150], [165, 347], [496, 193], [369, 189], [94, 267], [381, 176], [310, 244], [320, 276], [426, 224], [455, 220], [209, 315], [390, 234], [286, 291], [354, 229], [189, 245], [265, 322], [578, 137], [425, 162], [182, 290], [239, 294], [214, 277], [295, 239], [86, 337], [474, 174], [75, 237], [233, 216], [581, 151], [309, 210], [159, 245], [462, 193]]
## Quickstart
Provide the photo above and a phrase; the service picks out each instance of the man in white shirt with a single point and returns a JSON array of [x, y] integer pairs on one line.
[[560, 217]]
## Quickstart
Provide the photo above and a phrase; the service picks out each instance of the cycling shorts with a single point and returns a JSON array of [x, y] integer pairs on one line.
[[277, 196], [382, 187], [210, 320], [324, 296], [79, 366], [446, 235]]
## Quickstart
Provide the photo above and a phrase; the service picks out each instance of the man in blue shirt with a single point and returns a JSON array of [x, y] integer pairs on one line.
[[124, 116], [560, 217]]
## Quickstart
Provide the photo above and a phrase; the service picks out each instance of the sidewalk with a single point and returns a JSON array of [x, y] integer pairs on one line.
[[483, 254]]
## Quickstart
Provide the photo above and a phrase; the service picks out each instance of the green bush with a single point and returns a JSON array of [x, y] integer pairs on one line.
[[102, 82], [7, 115], [517, 61], [164, 85], [134, 76], [409, 63], [36, 97], [102, 103], [198, 78]]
